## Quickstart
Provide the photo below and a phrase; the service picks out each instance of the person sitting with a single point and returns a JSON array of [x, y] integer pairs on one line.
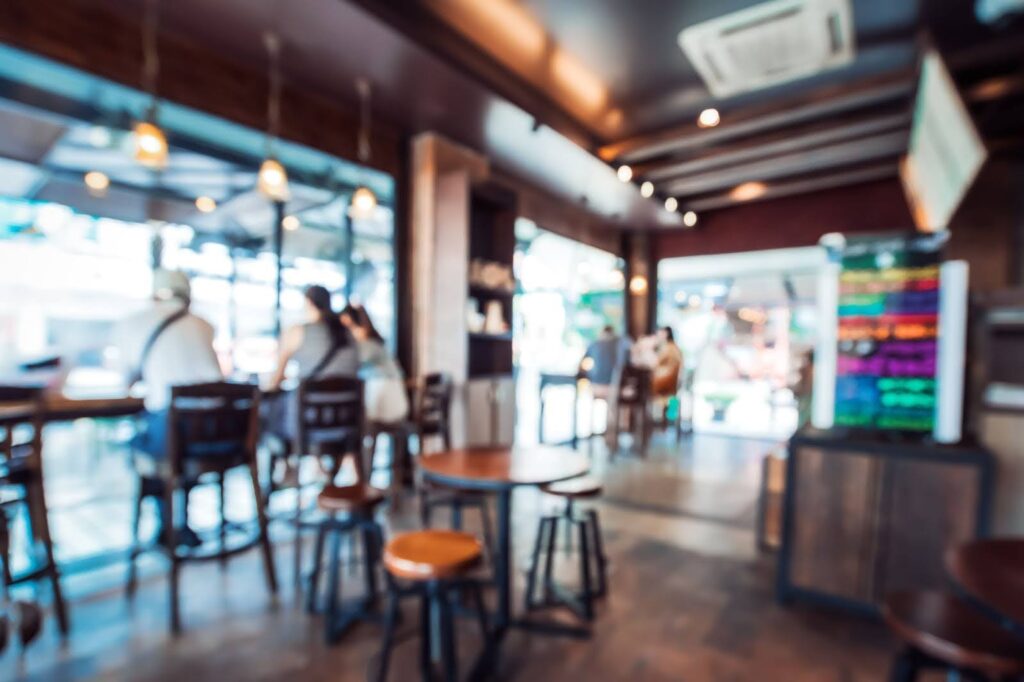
[[322, 346], [162, 346], [603, 361], [384, 391], [665, 377]]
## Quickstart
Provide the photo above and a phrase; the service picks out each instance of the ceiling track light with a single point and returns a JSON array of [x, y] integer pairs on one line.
[[671, 204], [647, 189], [625, 173], [709, 118]]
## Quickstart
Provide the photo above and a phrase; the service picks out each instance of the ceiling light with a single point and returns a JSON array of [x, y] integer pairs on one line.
[[708, 118], [647, 189], [150, 145], [363, 202], [206, 204], [272, 181], [689, 219], [290, 223], [671, 204], [748, 191], [625, 173], [638, 284], [97, 183]]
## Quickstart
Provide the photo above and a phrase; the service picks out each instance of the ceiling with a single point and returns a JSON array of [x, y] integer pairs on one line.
[[608, 84]]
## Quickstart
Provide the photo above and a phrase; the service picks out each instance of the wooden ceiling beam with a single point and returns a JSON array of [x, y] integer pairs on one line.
[[826, 103], [824, 158], [802, 186], [779, 145]]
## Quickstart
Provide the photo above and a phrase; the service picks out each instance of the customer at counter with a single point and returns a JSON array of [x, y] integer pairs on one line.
[[163, 346]]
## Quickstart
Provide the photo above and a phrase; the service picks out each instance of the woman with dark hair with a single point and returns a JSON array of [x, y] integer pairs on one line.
[[665, 378], [320, 347], [384, 383]]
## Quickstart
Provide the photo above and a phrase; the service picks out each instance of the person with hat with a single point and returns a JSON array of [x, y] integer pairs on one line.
[[161, 346]]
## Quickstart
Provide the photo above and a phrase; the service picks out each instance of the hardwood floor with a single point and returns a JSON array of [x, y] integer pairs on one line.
[[691, 599]]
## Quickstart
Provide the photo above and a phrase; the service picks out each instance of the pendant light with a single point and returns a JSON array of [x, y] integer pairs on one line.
[[150, 143], [272, 180], [364, 201]]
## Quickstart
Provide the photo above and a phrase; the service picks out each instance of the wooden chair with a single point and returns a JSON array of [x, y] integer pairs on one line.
[[329, 425], [432, 415], [211, 429], [21, 468], [593, 576], [941, 631], [433, 564], [633, 400]]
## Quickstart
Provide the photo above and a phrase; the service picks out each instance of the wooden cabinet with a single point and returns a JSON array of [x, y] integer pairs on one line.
[[866, 517]]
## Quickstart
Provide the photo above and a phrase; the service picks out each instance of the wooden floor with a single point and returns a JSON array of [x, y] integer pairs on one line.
[[690, 599]]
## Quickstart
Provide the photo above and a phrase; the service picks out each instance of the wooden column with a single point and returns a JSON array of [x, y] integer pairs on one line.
[[641, 284]]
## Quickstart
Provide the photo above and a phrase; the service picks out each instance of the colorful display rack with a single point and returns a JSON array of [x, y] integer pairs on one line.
[[888, 334]]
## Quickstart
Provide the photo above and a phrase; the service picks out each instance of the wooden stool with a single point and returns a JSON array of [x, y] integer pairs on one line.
[[582, 602], [357, 503], [941, 631], [435, 564]]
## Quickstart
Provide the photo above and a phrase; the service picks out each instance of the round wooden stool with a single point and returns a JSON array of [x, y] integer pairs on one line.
[[434, 563], [592, 585], [941, 631], [356, 503]]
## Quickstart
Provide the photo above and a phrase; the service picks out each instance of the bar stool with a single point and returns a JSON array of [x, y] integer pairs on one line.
[[590, 550], [435, 564], [942, 632], [357, 502]]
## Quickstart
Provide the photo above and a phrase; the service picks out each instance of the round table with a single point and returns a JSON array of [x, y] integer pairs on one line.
[[991, 574], [501, 470]]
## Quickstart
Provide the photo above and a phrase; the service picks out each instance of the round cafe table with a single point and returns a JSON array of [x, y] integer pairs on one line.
[[500, 471], [991, 574]]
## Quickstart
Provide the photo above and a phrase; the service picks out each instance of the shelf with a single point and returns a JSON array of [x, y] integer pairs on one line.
[[484, 336], [479, 291]]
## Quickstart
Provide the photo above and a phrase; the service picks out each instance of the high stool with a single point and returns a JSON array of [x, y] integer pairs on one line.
[[591, 549], [942, 632], [357, 503], [434, 563]]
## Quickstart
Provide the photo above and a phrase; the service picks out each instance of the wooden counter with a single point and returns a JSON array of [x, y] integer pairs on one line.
[[864, 516]]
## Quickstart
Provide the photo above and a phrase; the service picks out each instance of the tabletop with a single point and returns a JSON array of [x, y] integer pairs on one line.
[[504, 467], [992, 572], [62, 408]]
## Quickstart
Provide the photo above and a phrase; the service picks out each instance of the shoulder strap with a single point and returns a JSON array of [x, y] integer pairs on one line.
[[148, 347], [325, 360]]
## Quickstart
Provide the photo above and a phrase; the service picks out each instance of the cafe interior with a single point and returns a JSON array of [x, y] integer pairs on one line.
[[512, 340]]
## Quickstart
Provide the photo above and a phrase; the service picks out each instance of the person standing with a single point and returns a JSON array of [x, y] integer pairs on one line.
[[162, 346], [603, 361]]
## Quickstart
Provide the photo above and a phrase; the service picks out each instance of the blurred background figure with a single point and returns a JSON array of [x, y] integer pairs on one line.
[[665, 377], [384, 389], [321, 346], [162, 346], [603, 361]]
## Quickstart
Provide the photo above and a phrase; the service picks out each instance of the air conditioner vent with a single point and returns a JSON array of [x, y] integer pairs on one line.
[[770, 43]]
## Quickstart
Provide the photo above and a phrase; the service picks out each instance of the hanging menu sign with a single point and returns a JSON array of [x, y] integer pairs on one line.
[[888, 324]]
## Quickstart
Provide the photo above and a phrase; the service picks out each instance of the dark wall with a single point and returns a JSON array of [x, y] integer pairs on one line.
[[791, 221]]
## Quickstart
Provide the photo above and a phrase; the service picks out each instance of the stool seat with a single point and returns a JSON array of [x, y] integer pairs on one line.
[[944, 627], [579, 487], [431, 554], [349, 498]]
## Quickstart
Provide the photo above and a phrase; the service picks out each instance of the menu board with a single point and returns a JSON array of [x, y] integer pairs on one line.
[[888, 334]]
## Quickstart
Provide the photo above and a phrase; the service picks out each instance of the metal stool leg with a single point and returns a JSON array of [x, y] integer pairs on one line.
[[586, 595], [333, 587], [602, 560], [531, 576], [549, 559], [449, 662], [314, 574], [426, 662], [904, 666], [390, 623]]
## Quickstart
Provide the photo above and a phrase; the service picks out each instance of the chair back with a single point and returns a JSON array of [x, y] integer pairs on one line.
[[634, 385], [13, 417], [433, 406], [214, 424], [329, 416]]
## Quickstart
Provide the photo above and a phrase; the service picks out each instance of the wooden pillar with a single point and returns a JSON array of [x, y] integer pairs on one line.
[[641, 284]]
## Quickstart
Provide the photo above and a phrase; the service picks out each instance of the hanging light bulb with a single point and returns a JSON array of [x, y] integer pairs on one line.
[[150, 143], [364, 201], [272, 181]]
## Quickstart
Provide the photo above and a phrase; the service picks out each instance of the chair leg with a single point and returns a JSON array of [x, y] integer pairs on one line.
[[314, 574], [586, 594], [297, 522], [371, 551], [390, 622], [261, 519], [133, 552], [449, 662], [531, 576], [426, 626], [169, 525], [487, 529], [904, 666], [222, 530], [333, 586], [549, 559], [599, 556], [40, 526]]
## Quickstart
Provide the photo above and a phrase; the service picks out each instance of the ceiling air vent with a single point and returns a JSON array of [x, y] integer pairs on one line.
[[770, 43]]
